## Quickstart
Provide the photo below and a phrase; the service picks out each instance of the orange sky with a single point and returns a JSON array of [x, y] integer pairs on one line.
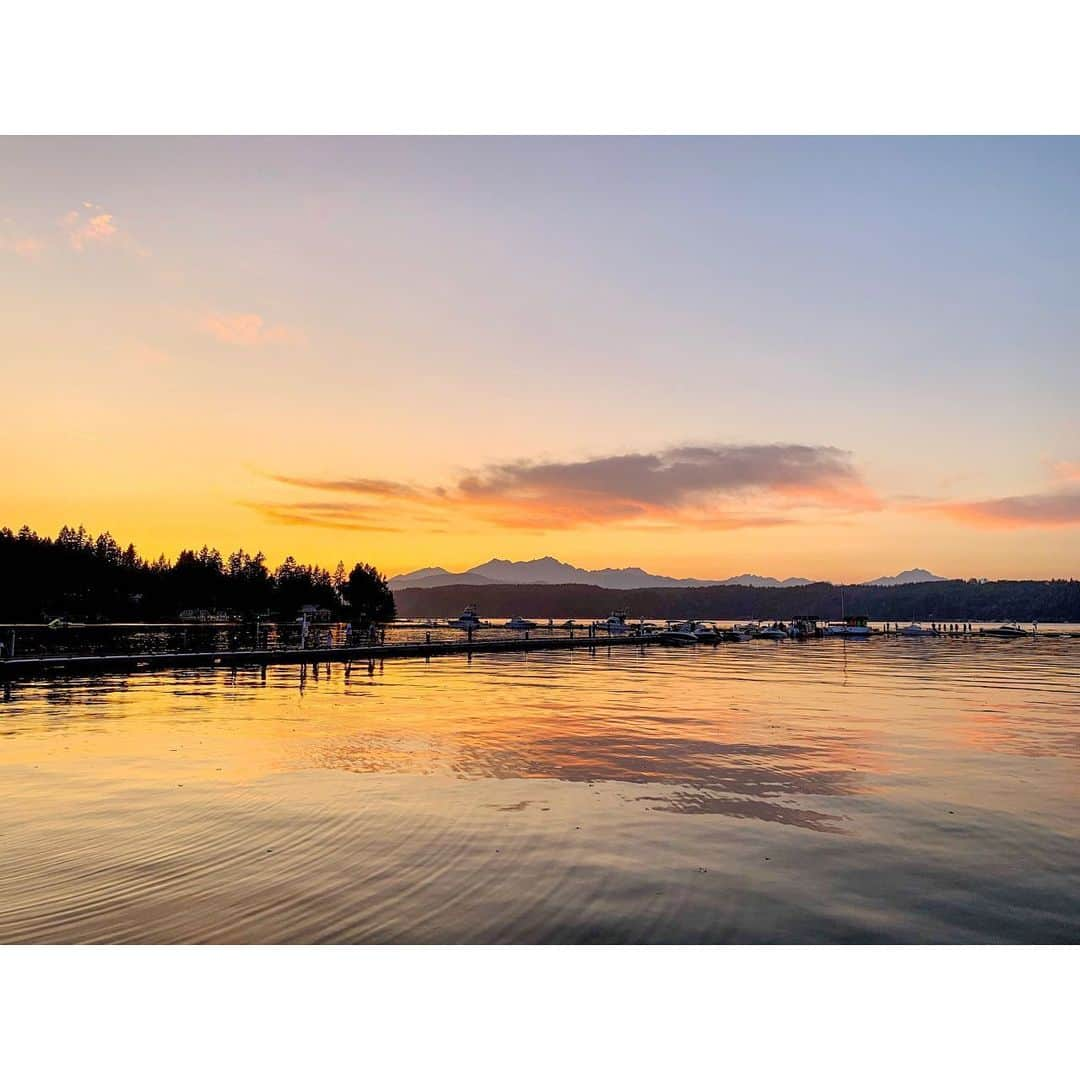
[[704, 357]]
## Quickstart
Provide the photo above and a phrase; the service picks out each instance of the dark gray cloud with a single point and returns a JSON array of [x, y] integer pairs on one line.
[[709, 487], [672, 477]]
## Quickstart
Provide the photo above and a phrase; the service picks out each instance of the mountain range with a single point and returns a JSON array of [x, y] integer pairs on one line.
[[549, 571]]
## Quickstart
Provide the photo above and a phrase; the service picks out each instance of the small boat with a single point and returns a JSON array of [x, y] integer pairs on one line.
[[776, 632], [467, 620], [568, 625], [855, 627], [915, 630], [676, 635], [1006, 630], [803, 627], [518, 623], [734, 634], [615, 624], [701, 631]]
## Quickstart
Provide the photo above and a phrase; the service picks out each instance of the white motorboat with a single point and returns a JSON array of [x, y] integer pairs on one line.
[[518, 623], [677, 635], [776, 632], [916, 630], [615, 624], [701, 631], [467, 620], [1006, 630], [854, 627]]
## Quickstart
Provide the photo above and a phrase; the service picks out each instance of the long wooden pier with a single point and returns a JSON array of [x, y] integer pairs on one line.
[[21, 667]]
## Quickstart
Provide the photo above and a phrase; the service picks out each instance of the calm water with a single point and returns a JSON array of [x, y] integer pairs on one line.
[[825, 792]]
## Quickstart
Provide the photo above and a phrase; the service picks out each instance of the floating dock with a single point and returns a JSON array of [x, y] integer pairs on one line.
[[21, 667]]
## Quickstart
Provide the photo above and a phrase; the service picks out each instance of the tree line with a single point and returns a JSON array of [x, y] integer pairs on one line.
[[941, 601], [81, 577]]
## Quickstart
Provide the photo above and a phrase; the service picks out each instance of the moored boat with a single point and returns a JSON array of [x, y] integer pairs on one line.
[[467, 620], [701, 631], [518, 623], [615, 624], [803, 627], [1006, 630], [855, 627], [916, 630]]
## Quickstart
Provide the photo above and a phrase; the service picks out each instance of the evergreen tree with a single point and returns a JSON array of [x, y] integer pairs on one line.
[[368, 595]]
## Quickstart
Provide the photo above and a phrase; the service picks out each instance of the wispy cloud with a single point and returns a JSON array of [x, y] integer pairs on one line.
[[1056, 509], [720, 487], [1065, 472], [247, 329], [18, 241], [92, 226], [353, 486], [352, 519]]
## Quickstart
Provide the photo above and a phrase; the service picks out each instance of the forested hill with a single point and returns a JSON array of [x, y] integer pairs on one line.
[[1042, 601]]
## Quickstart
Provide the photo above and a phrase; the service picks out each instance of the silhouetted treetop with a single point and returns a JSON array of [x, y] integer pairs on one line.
[[79, 576]]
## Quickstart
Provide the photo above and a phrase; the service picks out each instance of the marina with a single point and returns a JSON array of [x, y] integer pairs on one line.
[[336, 643]]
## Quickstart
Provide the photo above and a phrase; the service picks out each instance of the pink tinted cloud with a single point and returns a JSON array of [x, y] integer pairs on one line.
[[93, 226], [18, 242], [696, 487], [247, 329], [1049, 510], [1066, 472]]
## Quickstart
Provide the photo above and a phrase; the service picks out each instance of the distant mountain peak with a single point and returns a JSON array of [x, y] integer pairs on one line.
[[907, 577]]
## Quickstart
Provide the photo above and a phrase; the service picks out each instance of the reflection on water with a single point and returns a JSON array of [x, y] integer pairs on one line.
[[883, 791]]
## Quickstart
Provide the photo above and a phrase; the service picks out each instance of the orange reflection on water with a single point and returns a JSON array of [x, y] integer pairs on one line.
[[561, 796]]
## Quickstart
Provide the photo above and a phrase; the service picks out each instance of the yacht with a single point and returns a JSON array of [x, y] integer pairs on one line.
[[615, 624], [917, 630], [854, 626], [467, 620], [1006, 630], [518, 623]]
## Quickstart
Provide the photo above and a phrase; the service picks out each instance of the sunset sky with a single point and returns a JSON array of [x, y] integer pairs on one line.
[[820, 357]]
